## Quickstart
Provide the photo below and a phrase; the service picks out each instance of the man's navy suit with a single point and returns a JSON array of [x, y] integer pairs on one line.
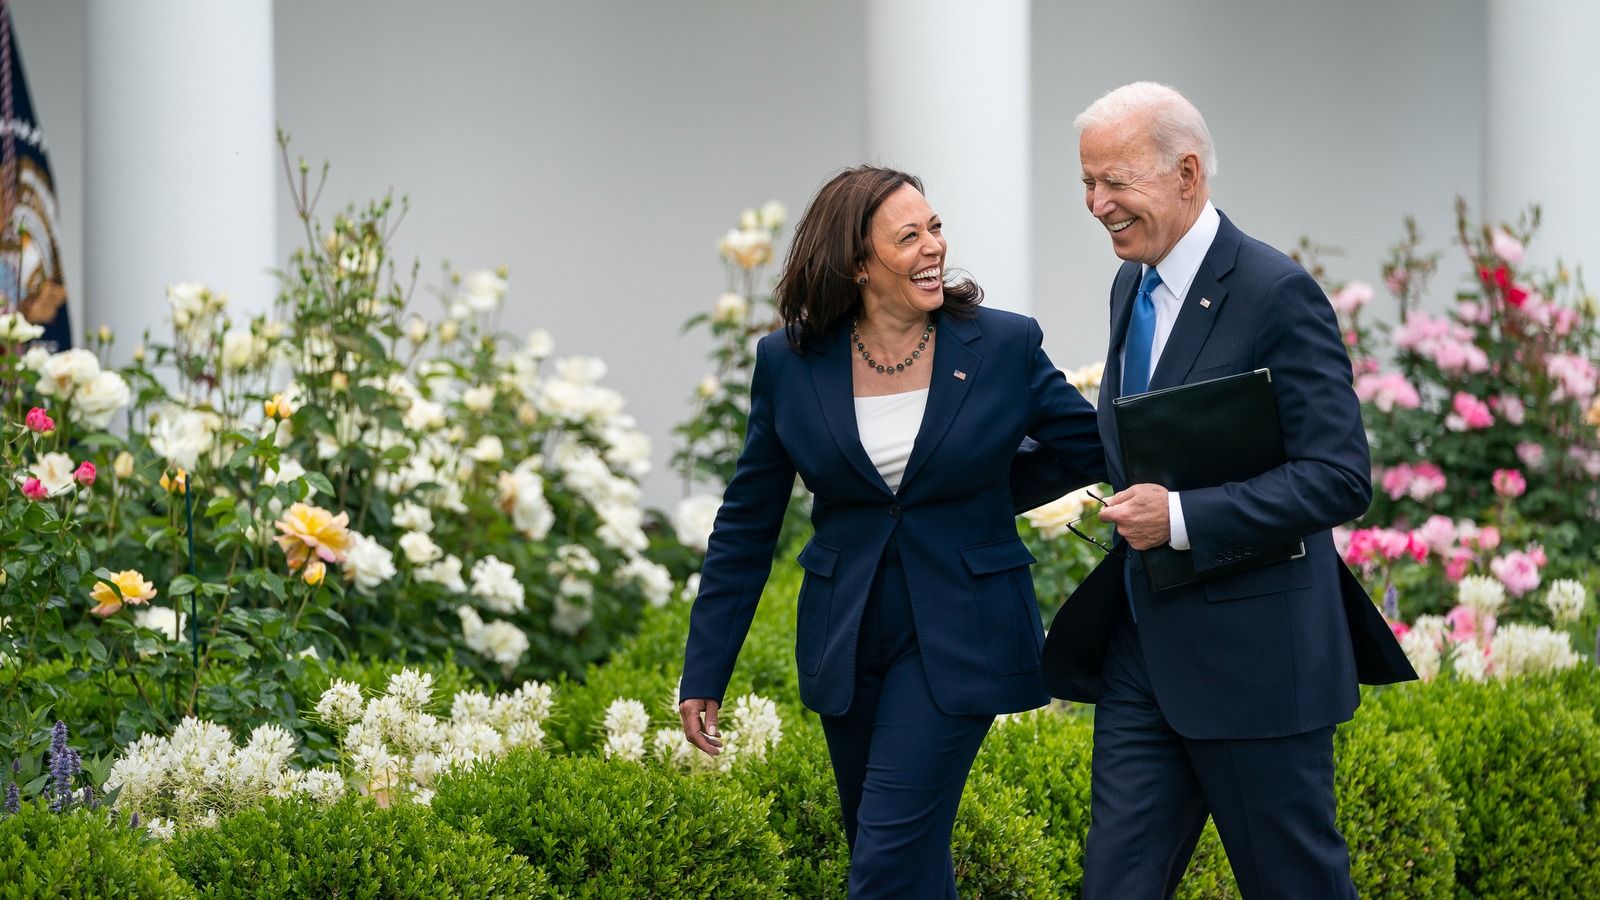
[[1220, 697], [917, 619]]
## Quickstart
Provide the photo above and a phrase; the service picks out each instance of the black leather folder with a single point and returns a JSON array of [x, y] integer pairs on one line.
[[1202, 435]]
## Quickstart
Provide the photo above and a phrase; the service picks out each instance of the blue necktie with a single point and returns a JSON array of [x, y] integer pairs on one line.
[[1141, 337]]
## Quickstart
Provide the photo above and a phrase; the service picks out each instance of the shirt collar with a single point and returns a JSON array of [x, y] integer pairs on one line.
[[1183, 260]]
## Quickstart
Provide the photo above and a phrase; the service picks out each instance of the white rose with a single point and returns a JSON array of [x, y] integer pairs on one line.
[[522, 495], [652, 579], [628, 450], [478, 398], [483, 290], [416, 329], [99, 399], [419, 548], [581, 369], [240, 349], [35, 359], [181, 435], [161, 619], [446, 572], [571, 615], [1052, 519], [730, 309], [424, 415], [16, 329], [709, 387], [369, 563], [487, 450], [54, 471], [189, 302], [540, 344], [694, 519], [773, 214], [495, 583], [63, 372], [413, 517]]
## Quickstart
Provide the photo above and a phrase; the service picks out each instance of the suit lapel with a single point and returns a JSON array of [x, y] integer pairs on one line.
[[830, 372], [955, 368], [1201, 306]]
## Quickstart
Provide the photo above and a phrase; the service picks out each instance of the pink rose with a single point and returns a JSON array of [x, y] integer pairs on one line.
[[1387, 391], [84, 474], [1575, 377], [1509, 483], [1537, 553], [1531, 454], [33, 489], [1350, 298], [1471, 414], [1488, 538], [1506, 247], [1510, 408], [1399, 628], [1460, 563], [39, 422], [1517, 570], [1427, 479], [1439, 533]]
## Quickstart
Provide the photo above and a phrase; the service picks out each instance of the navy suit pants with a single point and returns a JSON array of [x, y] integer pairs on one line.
[[1152, 789], [899, 762]]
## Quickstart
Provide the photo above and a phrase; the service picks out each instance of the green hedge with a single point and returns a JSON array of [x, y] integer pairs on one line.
[[296, 848], [81, 854], [612, 829], [1523, 759]]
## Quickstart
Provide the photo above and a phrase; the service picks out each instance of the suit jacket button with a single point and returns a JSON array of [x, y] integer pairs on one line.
[[894, 511]]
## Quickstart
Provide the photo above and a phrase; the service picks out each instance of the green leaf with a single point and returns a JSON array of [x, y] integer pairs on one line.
[[183, 585]]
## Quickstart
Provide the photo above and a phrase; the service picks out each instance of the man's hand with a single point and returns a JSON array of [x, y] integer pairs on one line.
[[1140, 515], [700, 724]]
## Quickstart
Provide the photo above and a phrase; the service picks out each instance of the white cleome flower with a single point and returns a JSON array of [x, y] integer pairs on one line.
[[1566, 601], [495, 583], [628, 747], [341, 703], [694, 519], [99, 398], [1468, 661], [369, 563], [1422, 649], [1530, 650], [1481, 594], [626, 716]]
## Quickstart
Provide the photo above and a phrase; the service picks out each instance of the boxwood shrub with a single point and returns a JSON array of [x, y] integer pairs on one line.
[[296, 848], [612, 829], [84, 853], [1524, 762]]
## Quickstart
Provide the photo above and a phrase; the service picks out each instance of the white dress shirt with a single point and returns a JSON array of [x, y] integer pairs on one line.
[[1177, 270]]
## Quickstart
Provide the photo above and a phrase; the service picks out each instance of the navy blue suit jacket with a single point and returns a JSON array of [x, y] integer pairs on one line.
[[972, 598], [1274, 650]]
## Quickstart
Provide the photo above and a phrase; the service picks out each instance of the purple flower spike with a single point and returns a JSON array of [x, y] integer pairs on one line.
[[1391, 603], [13, 799], [89, 798], [64, 767], [133, 821]]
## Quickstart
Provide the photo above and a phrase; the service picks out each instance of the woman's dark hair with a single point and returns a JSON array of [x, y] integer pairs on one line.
[[817, 291]]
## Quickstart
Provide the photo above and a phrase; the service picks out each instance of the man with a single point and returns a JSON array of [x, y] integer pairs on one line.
[[1218, 697]]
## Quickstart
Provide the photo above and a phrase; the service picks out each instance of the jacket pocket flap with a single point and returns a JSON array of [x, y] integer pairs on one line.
[[1274, 578], [818, 559], [985, 559]]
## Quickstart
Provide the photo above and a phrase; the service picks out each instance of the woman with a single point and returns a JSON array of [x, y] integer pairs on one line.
[[901, 404]]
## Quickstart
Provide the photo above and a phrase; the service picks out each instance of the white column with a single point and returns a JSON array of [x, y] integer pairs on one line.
[[1541, 127], [181, 161], [948, 101]]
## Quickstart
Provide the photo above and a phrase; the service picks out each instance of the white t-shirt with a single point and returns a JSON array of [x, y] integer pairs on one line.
[[888, 427]]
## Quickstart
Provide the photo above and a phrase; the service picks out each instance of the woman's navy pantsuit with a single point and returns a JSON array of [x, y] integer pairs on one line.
[[917, 619]]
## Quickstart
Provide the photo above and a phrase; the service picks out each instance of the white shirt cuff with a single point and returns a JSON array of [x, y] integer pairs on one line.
[[1179, 533]]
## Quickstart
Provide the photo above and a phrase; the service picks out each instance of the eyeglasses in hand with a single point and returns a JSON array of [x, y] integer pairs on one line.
[[1072, 527]]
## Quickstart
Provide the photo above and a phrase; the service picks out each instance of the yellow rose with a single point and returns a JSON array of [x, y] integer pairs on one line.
[[127, 586], [308, 531]]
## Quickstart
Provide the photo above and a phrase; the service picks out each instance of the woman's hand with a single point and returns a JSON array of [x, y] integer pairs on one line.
[[700, 724]]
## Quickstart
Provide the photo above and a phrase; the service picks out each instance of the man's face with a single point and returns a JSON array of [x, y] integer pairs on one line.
[[1145, 209]]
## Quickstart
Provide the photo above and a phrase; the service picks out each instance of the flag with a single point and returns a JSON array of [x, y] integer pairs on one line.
[[31, 279]]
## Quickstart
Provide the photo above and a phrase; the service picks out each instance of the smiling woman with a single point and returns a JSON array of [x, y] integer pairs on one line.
[[900, 403]]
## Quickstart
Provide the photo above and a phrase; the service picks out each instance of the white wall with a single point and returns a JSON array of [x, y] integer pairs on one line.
[[1332, 120], [598, 149]]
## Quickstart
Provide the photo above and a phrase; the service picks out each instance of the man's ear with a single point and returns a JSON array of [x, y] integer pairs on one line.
[[1189, 173]]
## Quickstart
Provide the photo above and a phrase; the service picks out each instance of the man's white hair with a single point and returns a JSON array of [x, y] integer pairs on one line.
[[1176, 125]]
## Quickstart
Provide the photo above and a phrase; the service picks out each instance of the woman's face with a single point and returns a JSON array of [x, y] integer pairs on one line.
[[905, 256]]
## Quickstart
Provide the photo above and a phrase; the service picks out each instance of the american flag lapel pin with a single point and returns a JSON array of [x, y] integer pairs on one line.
[[960, 375], [1205, 302]]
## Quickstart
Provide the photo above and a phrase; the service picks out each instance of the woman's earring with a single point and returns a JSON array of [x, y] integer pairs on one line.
[[861, 279]]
